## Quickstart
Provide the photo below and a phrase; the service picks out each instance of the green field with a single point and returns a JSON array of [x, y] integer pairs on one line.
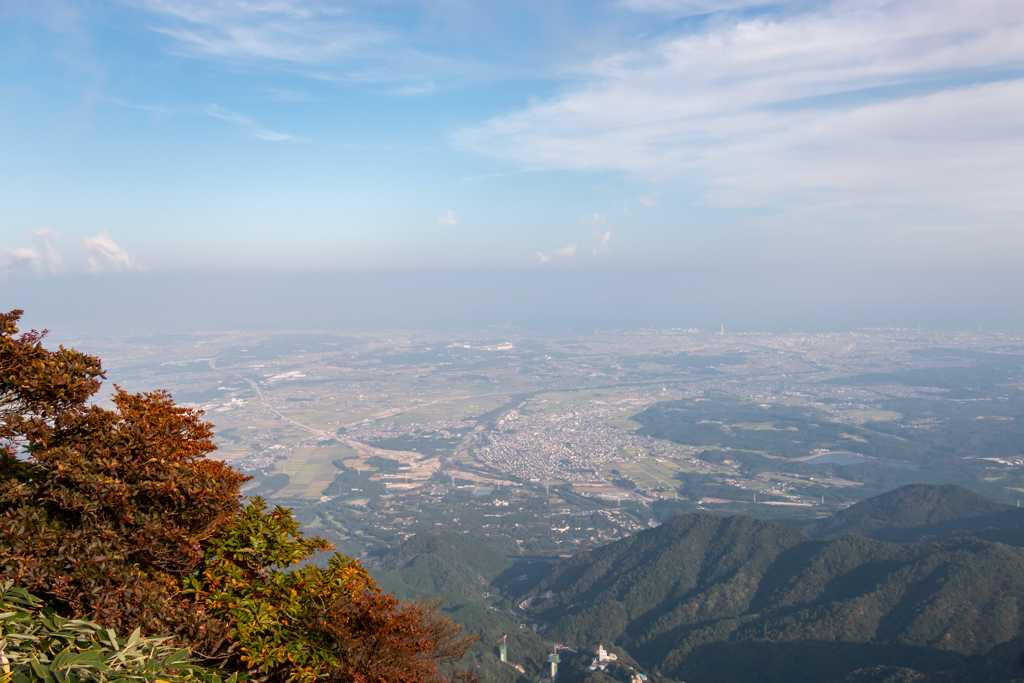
[[310, 470], [646, 471], [623, 423]]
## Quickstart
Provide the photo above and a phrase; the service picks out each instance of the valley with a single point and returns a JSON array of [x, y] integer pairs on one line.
[[684, 499], [710, 599], [549, 444]]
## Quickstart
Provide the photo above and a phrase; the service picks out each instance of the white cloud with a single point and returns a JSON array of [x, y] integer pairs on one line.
[[103, 254], [322, 39], [598, 218], [254, 129], [879, 103], [647, 201], [50, 257], [693, 7], [559, 254], [42, 259], [416, 89], [602, 242], [448, 219], [274, 136], [311, 32], [21, 258]]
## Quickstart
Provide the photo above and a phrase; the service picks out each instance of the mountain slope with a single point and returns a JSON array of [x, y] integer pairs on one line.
[[653, 573], [444, 563], [922, 512], [717, 600], [458, 570], [710, 599]]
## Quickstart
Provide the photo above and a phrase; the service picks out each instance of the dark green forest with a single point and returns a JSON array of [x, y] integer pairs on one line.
[[919, 584]]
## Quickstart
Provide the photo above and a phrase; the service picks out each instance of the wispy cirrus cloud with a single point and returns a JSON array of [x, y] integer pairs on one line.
[[251, 127], [311, 32], [692, 7], [896, 105], [602, 242], [559, 254], [416, 89], [321, 39]]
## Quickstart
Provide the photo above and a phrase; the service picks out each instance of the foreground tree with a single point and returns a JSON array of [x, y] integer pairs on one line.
[[118, 516], [381, 640], [312, 623], [101, 510]]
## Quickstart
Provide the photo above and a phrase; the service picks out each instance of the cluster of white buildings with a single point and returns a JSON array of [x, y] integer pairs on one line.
[[567, 446]]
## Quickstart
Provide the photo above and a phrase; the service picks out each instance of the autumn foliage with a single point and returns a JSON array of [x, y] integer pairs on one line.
[[118, 516], [109, 508], [382, 640], [313, 623]]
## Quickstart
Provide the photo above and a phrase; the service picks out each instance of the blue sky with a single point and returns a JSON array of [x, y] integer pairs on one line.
[[164, 136]]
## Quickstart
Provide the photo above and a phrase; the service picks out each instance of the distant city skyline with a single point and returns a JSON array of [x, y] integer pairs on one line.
[[167, 137]]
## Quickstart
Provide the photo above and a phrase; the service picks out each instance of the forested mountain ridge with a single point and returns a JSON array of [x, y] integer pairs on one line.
[[709, 599], [704, 598], [460, 570], [921, 512], [597, 594], [444, 563]]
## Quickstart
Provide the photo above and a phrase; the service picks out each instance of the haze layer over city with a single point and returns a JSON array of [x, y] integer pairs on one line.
[[544, 444], [491, 227]]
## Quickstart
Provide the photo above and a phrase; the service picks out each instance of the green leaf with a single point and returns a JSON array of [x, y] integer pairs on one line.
[[39, 669], [175, 657], [90, 658], [61, 660]]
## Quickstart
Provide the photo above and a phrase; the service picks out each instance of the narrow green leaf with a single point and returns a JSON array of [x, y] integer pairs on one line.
[[86, 658], [175, 657], [38, 669]]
